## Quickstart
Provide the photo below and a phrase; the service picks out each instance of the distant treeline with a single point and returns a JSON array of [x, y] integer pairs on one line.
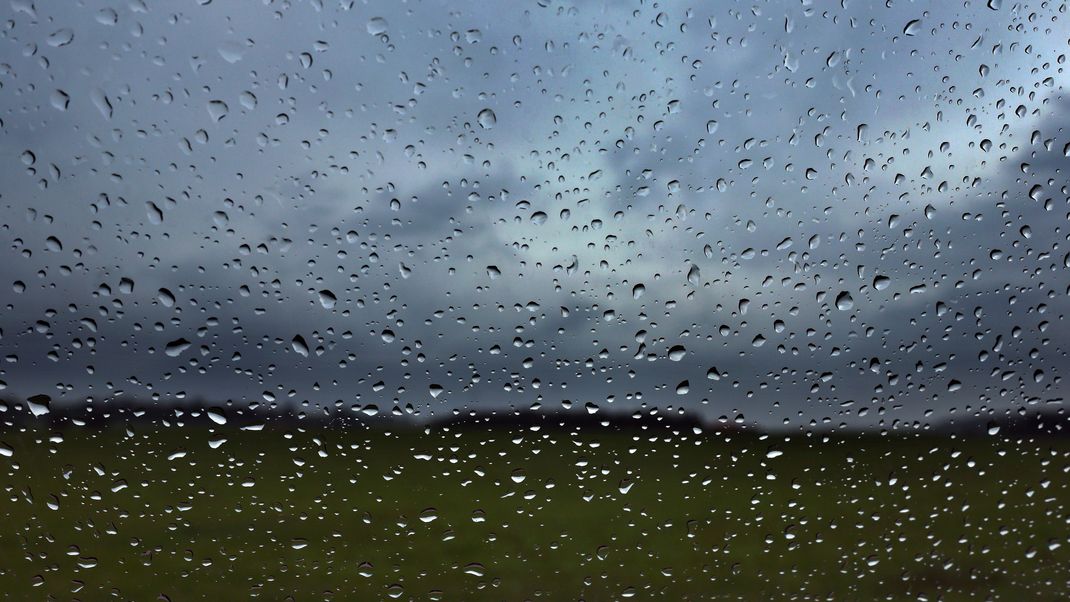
[[38, 411]]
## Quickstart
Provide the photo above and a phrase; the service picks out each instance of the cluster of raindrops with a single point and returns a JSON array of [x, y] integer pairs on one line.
[[787, 220]]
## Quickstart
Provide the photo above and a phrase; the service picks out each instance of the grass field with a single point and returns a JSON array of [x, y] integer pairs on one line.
[[513, 514]]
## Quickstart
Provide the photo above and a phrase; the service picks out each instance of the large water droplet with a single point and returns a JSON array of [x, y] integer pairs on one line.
[[176, 347], [844, 301], [487, 119], [376, 26], [300, 346]]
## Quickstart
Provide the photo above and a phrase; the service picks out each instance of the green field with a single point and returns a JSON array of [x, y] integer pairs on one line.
[[519, 514]]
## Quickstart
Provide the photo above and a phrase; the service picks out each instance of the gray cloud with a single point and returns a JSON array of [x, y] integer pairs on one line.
[[789, 155]]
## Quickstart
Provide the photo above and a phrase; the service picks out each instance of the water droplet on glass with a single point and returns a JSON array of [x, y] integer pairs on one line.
[[487, 119], [327, 299], [844, 301], [299, 345], [61, 37], [376, 26], [39, 405], [176, 347]]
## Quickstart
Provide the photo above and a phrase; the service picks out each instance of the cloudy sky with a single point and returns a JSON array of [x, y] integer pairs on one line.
[[802, 213]]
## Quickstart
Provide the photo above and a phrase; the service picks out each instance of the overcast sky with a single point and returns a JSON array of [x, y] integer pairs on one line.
[[830, 213]]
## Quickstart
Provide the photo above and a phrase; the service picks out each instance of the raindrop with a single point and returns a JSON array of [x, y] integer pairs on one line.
[[217, 109], [59, 100], [176, 347], [165, 297], [39, 405], [60, 38], [216, 415], [377, 26], [693, 275], [299, 345], [327, 299], [487, 119]]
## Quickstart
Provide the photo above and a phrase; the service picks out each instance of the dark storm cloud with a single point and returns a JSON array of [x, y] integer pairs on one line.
[[247, 162]]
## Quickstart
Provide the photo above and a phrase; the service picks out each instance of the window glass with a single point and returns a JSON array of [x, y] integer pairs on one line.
[[543, 299]]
